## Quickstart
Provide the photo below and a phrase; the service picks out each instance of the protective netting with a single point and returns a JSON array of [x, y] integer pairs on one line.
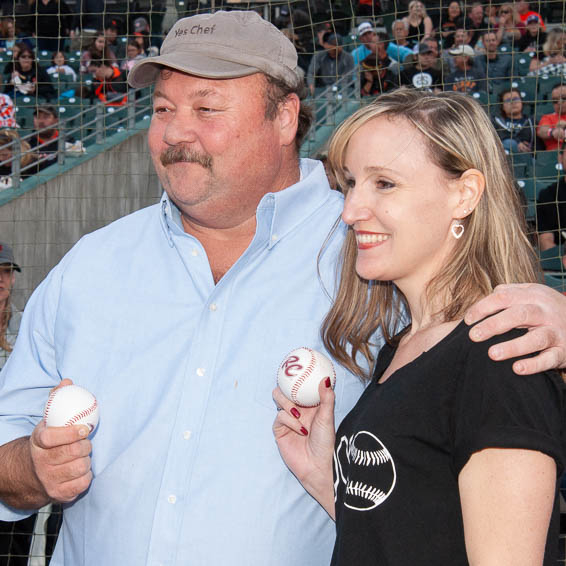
[[72, 155]]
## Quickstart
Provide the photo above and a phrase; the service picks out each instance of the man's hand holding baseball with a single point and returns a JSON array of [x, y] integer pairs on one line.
[[61, 460]]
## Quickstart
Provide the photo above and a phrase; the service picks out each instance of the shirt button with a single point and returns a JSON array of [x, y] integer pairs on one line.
[[213, 307], [172, 499], [194, 252], [200, 372], [274, 237], [187, 434]]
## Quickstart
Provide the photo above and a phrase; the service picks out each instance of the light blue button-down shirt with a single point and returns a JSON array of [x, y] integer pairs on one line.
[[186, 470]]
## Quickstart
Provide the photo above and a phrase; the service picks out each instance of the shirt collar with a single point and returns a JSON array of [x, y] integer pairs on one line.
[[277, 213]]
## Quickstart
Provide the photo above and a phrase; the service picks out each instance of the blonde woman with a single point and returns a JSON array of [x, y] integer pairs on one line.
[[554, 60], [447, 458], [509, 27], [418, 23]]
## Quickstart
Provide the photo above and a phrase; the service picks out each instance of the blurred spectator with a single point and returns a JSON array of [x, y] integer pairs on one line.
[[377, 76], [451, 19], [7, 112], [28, 78], [419, 24], [133, 54], [59, 66], [515, 129], [300, 32], [9, 316], [111, 33], [8, 139], [551, 211], [509, 27], [474, 23], [491, 15], [423, 73], [432, 45], [552, 127], [461, 37], [97, 50], [141, 34], [7, 33], [109, 83], [366, 36], [46, 136], [534, 37], [398, 49], [496, 66], [52, 21], [322, 29], [553, 61], [466, 77], [368, 7], [328, 66], [89, 17], [524, 11]]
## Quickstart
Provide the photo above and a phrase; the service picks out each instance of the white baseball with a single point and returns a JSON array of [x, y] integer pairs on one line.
[[71, 405], [301, 372]]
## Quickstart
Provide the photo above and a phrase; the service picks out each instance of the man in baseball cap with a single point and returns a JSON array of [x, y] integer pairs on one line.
[[220, 46], [366, 37], [7, 257], [241, 224]]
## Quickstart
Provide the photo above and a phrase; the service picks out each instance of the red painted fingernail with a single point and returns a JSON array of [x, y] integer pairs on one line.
[[327, 382], [295, 413], [304, 431]]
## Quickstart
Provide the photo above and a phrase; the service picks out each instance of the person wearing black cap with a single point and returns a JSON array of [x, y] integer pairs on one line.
[[46, 138], [423, 74], [9, 318]]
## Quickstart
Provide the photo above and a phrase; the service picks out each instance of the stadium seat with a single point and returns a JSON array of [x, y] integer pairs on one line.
[[522, 164], [24, 118], [522, 63], [546, 166], [528, 188], [546, 83]]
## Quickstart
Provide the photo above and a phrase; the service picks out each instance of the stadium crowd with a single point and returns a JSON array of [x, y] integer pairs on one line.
[[510, 58]]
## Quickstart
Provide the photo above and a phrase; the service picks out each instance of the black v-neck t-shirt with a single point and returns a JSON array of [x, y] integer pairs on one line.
[[400, 450]]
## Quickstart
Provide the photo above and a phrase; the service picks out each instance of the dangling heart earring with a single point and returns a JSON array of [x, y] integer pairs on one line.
[[457, 230]]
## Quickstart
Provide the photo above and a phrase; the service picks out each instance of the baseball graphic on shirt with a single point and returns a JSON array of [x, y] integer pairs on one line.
[[71, 405], [371, 475], [301, 372]]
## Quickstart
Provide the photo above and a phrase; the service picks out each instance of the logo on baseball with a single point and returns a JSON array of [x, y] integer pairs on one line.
[[71, 405], [301, 372]]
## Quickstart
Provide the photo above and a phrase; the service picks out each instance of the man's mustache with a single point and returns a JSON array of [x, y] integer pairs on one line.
[[181, 154]]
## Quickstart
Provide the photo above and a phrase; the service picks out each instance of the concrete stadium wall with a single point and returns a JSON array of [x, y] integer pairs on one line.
[[45, 222]]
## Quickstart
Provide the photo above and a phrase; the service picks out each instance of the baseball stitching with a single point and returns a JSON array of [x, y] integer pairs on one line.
[[301, 379], [82, 414], [74, 418], [364, 491]]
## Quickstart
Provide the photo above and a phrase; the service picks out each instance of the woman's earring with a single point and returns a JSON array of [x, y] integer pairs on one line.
[[457, 230]]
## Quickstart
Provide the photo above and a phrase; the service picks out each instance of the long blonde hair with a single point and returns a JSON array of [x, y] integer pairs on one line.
[[493, 250]]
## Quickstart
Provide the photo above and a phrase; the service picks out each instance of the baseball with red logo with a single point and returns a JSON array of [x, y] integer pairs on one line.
[[71, 405], [301, 372]]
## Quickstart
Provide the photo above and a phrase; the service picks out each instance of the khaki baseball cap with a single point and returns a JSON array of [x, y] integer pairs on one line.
[[222, 45]]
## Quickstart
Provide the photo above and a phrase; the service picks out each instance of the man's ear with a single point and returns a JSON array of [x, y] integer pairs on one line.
[[470, 187], [288, 115]]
